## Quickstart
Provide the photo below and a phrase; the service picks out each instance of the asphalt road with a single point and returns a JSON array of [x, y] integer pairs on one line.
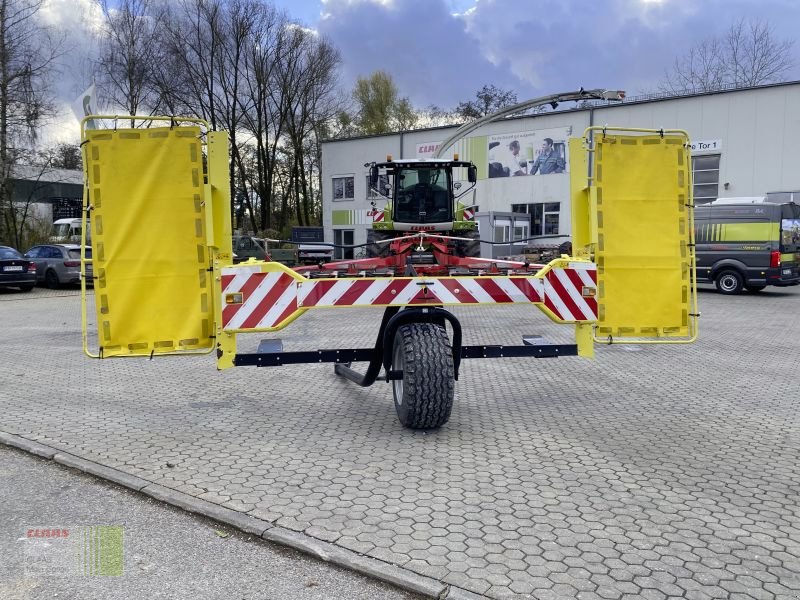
[[167, 552]]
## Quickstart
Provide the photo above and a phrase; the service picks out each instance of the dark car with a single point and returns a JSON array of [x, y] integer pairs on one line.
[[16, 271], [59, 264]]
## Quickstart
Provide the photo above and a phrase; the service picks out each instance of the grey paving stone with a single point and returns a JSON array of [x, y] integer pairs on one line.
[[647, 472]]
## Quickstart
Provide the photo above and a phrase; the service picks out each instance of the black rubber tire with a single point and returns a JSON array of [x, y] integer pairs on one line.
[[423, 398], [378, 250], [565, 248], [754, 288], [729, 282], [26, 288], [51, 280], [470, 249]]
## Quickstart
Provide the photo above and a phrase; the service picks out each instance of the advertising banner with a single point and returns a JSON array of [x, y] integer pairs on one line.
[[540, 152]]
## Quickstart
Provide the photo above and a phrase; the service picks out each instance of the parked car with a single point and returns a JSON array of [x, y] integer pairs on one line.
[[59, 264], [16, 271]]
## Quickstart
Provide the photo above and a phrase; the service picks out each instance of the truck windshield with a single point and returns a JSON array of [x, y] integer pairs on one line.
[[62, 230], [422, 196], [790, 228]]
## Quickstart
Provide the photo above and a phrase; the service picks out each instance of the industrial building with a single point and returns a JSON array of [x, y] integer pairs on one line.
[[744, 143]]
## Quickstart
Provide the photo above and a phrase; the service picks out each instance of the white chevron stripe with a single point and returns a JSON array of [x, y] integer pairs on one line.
[[240, 277]]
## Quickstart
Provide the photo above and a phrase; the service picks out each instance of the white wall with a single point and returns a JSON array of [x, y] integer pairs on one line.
[[758, 129]]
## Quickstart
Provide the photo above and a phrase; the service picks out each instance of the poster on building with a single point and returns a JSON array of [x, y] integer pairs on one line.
[[540, 152]]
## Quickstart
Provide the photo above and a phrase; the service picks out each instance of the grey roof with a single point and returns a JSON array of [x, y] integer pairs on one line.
[[46, 174]]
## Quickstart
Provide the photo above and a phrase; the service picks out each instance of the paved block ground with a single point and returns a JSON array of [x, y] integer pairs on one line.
[[650, 472]]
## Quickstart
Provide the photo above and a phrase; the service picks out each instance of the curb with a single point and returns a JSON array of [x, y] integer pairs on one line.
[[325, 551]]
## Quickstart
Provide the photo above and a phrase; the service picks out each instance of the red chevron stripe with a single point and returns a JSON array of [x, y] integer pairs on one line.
[[463, 295], [577, 282], [319, 288], [563, 295], [250, 284], [354, 292], [386, 296], [525, 286], [263, 307], [495, 291]]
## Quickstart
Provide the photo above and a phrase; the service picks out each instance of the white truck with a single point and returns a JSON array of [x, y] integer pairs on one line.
[[68, 231]]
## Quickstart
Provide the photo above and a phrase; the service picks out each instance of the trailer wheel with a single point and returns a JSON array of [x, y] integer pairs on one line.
[[471, 248], [423, 398], [729, 281]]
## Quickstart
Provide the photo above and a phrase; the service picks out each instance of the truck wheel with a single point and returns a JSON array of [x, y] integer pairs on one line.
[[51, 280], [754, 288], [375, 250], [729, 281], [471, 248], [423, 398]]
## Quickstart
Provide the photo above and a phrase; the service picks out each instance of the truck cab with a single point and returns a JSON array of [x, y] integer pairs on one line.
[[68, 231]]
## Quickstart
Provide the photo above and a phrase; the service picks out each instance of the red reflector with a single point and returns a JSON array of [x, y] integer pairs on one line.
[[72, 263], [31, 267], [774, 259]]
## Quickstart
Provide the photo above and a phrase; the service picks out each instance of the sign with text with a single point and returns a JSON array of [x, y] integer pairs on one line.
[[706, 145], [427, 149]]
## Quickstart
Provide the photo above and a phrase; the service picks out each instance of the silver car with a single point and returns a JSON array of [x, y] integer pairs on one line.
[[59, 264]]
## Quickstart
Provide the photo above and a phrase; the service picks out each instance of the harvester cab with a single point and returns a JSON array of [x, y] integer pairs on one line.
[[423, 195]]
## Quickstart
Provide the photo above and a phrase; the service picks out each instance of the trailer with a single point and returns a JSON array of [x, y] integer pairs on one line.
[[629, 278]]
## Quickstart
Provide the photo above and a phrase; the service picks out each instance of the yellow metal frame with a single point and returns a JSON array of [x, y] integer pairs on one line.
[[217, 226], [226, 355], [216, 202], [585, 218]]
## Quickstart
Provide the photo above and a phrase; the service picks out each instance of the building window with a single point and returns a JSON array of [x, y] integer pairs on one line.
[[343, 237], [344, 188], [501, 232], [544, 216], [705, 177], [520, 232]]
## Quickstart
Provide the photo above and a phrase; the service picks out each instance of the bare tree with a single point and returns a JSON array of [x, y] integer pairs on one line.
[[308, 76], [264, 106], [128, 51], [487, 100], [28, 52], [747, 54]]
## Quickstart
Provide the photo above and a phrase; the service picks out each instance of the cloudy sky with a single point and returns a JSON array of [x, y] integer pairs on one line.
[[442, 51]]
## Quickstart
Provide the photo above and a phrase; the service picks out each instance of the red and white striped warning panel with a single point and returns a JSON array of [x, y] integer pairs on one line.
[[570, 293], [256, 300], [377, 215], [469, 214]]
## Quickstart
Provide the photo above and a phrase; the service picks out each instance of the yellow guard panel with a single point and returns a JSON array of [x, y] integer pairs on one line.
[[146, 188], [644, 263]]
